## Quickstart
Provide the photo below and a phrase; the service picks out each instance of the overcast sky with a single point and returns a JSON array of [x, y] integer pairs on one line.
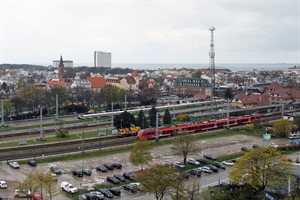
[[150, 31]]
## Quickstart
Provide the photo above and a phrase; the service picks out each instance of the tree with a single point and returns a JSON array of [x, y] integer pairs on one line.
[[297, 122], [184, 145], [49, 184], [124, 120], [152, 116], [140, 153], [282, 127], [167, 119], [142, 120], [228, 94], [29, 183], [182, 117], [259, 167], [62, 132], [197, 75], [158, 180]]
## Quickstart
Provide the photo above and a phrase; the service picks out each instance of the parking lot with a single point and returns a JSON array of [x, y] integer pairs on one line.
[[162, 155]]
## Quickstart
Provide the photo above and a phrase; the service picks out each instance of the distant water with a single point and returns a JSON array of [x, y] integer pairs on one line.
[[232, 66]]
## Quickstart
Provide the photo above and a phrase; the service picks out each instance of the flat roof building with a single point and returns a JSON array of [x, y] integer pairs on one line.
[[102, 59]]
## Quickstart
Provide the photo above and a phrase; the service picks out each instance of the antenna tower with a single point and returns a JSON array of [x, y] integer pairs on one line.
[[212, 62]]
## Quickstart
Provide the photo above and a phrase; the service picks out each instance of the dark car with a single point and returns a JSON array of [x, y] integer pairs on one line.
[[128, 175], [195, 172], [213, 168], [245, 149], [234, 160], [77, 173], [87, 171], [255, 146], [32, 162], [120, 178], [55, 170], [106, 193], [202, 160], [117, 165], [210, 157], [109, 166], [101, 168], [130, 188], [219, 165], [115, 191], [112, 179]]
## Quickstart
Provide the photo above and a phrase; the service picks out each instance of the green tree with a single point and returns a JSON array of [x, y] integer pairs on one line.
[[33, 96], [228, 94], [182, 117], [29, 183], [142, 120], [259, 168], [49, 184], [297, 122], [124, 120], [62, 132], [197, 75], [158, 180], [184, 145], [282, 127], [152, 116], [140, 153], [112, 94], [167, 119]]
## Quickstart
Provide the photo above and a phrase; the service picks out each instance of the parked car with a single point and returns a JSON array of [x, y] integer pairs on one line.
[[245, 149], [120, 177], [54, 176], [227, 162], [213, 168], [68, 187], [14, 164], [255, 146], [55, 170], [192, 161], [101, 168], [115, 191], [138, 185], [202, 160], [117, 165], [295, 142], [109, 166], [128, 175], [22, 193], [205, 169], [210, 157], [106, 193], [195, 172], [178, 164], [234, 160], [37, 197], [2, 197], [130, 188], [219, 165], [3, 185], [272, 144], [112, 179], [77, 173], [87, 171], [32, 163], [97, 195]]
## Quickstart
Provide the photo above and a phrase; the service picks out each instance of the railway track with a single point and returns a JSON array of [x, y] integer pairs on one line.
[[48, 149]]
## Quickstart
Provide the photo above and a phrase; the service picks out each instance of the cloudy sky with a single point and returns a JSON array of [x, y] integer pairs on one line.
[[265, 31]]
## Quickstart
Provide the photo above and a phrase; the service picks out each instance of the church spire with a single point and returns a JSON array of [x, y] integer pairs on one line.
[[61, 60]]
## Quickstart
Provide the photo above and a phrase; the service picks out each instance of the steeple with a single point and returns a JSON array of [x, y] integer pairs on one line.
[[61, 61]]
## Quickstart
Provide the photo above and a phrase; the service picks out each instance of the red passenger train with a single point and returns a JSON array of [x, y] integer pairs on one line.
[[196, 127]]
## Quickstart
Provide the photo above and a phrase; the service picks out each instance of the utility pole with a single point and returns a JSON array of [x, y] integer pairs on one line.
[[157, 136], [282, 110], [125, 102], [228, 114], [112, 116], [42, 136], [56, 103], [2, 114]]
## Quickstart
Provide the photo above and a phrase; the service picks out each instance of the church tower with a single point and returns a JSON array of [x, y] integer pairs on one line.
[[61, 69]]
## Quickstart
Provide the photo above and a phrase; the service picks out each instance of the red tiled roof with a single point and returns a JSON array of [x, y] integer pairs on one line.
[[130, 80], [201, 96], [56, 83], [97, 82], [274, 86]]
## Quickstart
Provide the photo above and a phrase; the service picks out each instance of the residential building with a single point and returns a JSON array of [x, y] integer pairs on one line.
[[97, 83], [189, 86]]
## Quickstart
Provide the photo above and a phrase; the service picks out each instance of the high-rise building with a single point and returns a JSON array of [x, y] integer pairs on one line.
[[102, 59]]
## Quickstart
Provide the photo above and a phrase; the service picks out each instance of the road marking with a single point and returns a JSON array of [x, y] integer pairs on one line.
[[209, 178], [215, 183]]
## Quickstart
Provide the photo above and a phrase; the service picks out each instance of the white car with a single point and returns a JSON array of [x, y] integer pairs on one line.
[[192, 161], [68, 187], [205, 169], [14, 164], [3, 184], [273, 145], [178, 164], [22, 193], [138, 185], [227, 162]]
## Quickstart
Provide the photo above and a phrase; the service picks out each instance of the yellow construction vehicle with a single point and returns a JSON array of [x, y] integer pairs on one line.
[[124, 132]]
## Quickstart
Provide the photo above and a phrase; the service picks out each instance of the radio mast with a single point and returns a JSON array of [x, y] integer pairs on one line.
[[212, 63]]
